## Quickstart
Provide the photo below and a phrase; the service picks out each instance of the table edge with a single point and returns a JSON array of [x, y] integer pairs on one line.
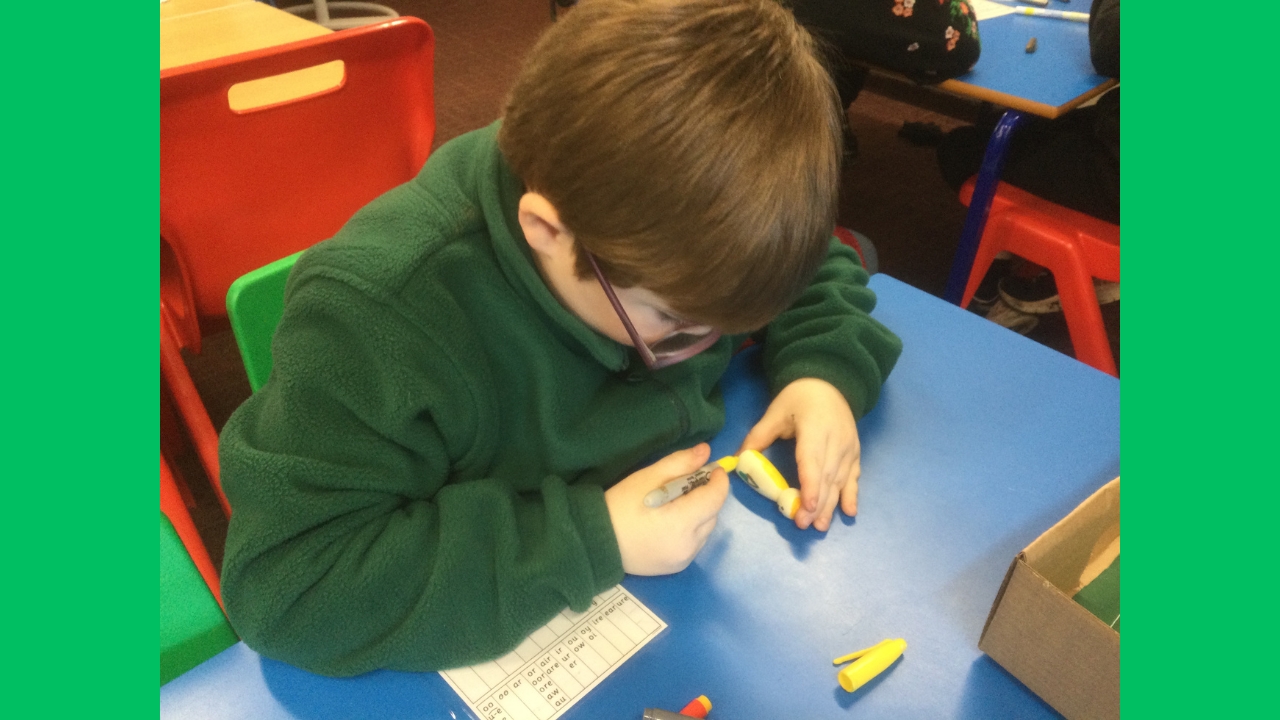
[[959, 87]]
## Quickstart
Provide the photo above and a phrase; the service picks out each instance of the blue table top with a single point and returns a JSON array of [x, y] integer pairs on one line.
[[981, 441], [1055, 78]]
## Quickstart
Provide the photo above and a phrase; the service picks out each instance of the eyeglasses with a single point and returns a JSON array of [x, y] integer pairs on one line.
[[670, 350]]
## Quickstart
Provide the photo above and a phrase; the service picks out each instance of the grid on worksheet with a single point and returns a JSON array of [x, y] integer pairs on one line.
[[559, 663]]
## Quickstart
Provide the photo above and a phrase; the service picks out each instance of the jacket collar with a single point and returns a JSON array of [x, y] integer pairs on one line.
[[499, 198]]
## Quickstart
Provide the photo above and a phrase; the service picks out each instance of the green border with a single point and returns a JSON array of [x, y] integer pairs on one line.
[[1199, 250], [1143, 495], [1199, 257], [80, 321]]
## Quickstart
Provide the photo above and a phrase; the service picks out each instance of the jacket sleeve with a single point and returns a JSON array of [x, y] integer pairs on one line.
[[828, 334], [365, 533], [1104, 37]]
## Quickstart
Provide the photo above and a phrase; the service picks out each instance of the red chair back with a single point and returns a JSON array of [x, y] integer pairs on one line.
[[239, 189]]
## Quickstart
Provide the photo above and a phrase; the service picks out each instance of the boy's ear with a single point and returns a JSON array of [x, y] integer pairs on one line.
[[541, 224]]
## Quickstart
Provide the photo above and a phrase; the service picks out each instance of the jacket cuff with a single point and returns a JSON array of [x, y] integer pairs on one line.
[[591, 515], [836, 371]]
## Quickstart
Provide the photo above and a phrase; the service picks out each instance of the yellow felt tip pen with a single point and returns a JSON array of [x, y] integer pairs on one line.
[[1059, 14], [868, 663], [756, 471]]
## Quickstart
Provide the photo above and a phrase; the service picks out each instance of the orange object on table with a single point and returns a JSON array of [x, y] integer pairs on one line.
[[697, 707]]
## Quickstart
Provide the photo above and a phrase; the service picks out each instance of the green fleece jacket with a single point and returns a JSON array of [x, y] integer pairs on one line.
[[420, 483]]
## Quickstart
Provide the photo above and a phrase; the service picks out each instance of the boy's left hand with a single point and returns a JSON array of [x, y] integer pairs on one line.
[[828, 454]]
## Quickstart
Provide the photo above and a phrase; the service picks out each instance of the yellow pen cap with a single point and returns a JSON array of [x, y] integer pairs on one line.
[[869, 663], [728, 462]]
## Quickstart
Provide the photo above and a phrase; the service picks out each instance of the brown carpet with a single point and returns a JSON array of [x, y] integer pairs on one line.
[[893, 192]]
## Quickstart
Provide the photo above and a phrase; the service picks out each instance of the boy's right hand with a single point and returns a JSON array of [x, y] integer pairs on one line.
[[664, 540]]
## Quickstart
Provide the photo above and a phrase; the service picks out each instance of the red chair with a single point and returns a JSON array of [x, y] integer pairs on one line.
[[241, 188], [848, 237], [1075, 247], [173, 507]]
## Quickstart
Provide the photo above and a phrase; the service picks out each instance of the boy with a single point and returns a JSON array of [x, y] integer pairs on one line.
[[462, 371]]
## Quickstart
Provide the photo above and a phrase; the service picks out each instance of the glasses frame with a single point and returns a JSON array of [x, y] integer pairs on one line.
[[651, 360]]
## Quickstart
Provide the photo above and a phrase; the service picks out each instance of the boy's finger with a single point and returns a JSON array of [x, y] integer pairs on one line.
[[703, 531], [849, 498], [848, 463], [809, 468], [832, 481], [828, 508], [849, 494], [700, 536], [704, 503], [825, 495], [773, 425], [682, 462]]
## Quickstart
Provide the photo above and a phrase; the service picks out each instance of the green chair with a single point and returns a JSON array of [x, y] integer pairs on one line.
[[192, 626], [255, 303]]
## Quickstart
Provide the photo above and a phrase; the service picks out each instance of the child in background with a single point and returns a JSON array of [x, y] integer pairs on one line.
[[468, 374]]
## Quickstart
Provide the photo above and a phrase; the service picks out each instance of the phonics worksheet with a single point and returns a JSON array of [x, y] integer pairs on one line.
[[559, 663]]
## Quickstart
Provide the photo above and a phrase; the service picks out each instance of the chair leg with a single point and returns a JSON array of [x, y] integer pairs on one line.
[[1038, 241], [174, 372], [172, 506], [988, 248], [980, 204], [172, 444], [1084, 317]]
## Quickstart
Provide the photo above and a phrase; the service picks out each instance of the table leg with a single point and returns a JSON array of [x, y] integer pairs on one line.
[[983, 191]]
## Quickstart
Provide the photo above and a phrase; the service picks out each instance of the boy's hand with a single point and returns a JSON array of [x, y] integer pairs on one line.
[[663, 540], [828, 454]]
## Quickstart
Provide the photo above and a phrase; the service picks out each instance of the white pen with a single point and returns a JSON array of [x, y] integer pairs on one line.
[[682, 485], [1060, 14]]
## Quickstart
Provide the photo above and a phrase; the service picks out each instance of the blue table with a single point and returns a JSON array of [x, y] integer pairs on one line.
[[981, 441], [1056, 78]]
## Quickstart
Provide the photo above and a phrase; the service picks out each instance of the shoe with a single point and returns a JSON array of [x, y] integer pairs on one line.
[[1005, 316], [1108, 292], [1037, 295], [988, 291]]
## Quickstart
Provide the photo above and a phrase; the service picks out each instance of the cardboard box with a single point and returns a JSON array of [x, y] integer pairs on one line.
[[1056, 647]]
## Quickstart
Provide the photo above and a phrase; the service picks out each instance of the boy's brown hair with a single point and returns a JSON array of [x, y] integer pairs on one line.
[[692, 146]]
